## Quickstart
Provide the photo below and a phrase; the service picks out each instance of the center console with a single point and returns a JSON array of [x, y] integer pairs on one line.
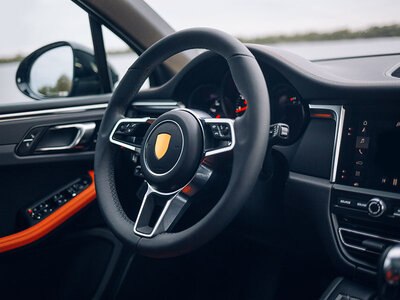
[[365, 199]]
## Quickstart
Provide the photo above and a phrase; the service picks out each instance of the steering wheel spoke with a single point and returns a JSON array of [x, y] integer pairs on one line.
[[129, 132], [159, 212], [219, 135]]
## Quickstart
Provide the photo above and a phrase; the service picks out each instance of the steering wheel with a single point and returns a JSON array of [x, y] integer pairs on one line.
[[173, 146]]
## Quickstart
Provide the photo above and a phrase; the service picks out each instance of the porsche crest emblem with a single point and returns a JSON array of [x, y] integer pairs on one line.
[[162, 144]]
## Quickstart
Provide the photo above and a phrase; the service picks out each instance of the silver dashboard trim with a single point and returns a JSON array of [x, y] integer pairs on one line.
[[82, 108], [53, 111], [339, 114]]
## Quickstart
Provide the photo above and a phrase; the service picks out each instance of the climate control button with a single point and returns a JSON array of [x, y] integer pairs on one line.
[[376, 207]]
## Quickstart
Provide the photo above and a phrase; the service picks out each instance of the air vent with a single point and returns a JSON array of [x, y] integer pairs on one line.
[[395, 71], [365, 246]]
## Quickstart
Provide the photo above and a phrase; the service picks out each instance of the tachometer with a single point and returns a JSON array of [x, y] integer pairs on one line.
[[241, 105], [234, 103], [207, 98]]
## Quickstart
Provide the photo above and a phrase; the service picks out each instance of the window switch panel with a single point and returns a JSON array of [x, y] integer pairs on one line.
[[43, 208]]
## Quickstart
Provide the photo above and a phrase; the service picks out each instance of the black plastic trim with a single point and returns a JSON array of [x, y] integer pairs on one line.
[[100, 54], [311, 197]]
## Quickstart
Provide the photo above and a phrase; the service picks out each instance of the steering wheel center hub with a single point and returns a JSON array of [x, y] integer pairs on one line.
[[163, 148], [172, 150]]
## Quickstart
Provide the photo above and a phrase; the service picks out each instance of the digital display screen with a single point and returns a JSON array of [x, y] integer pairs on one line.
[[370, 149]]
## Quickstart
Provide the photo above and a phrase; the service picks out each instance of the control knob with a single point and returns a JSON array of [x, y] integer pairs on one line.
[[376, 207]]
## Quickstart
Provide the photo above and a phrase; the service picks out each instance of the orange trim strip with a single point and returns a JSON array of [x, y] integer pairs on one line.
[[48, 224], [324, 116]]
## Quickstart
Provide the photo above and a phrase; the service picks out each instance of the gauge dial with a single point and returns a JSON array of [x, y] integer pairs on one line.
[[241, 105], [225, 101], [207, 98], [285, 98], [234, 103], [287, 107]]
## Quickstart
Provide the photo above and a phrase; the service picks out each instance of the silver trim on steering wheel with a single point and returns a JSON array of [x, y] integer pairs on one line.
[[126, 120], [231, 123], [156, 229]]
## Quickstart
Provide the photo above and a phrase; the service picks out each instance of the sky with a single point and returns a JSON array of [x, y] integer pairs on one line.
[[26, 25]]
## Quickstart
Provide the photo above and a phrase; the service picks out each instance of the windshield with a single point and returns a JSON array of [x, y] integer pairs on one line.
[[314, 29]]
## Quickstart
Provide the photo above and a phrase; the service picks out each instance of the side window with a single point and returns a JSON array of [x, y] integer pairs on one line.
[[119, 55], [50, 54], [39, 23]]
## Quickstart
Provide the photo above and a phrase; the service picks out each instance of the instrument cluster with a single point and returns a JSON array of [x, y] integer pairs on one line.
[[223, 100]]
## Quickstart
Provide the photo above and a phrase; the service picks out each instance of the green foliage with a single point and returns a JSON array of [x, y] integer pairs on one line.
[[345, 34], [60, 89], [18, 57]]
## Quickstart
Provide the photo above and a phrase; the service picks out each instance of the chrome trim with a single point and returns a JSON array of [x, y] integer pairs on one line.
[[381, 203], [85, 131], [338, 139], [126, 120], [339, 113], [53, 111], [149, 191], [157, 104], [180, 154], [81, 108], [231, 123], [201, 176], [363, 234]]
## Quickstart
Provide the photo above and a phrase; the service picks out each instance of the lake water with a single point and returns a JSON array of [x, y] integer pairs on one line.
[[9, 92]]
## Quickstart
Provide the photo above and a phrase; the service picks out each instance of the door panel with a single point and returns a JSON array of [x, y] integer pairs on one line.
[[26, 179], [22, 186], [76, 265], [76, 254]]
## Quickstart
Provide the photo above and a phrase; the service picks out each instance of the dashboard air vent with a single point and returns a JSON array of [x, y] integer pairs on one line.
[[396, 72]]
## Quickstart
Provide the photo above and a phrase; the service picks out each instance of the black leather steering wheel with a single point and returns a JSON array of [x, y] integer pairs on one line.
[[173, 146]]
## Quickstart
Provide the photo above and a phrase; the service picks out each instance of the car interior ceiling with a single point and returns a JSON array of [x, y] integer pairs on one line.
[[128, 194]]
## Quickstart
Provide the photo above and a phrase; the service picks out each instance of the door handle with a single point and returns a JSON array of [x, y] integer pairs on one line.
[[83, 135]]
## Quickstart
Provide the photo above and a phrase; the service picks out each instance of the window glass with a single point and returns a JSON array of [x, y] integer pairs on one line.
[[28, 25], [42, 22], [314, 29], [119, 55]]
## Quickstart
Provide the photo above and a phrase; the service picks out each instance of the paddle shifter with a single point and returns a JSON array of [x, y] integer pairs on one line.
[[389, 274]]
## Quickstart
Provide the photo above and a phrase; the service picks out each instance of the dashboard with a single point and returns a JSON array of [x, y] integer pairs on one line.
[[213, 90], [342, 154]]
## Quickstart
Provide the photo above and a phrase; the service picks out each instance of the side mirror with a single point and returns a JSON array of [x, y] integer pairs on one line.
[[59, 70]]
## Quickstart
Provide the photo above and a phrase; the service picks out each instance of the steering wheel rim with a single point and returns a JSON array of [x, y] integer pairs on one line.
[[250, 141]]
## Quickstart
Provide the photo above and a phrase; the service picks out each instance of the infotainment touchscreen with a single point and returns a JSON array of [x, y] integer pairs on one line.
[[370, 149]]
